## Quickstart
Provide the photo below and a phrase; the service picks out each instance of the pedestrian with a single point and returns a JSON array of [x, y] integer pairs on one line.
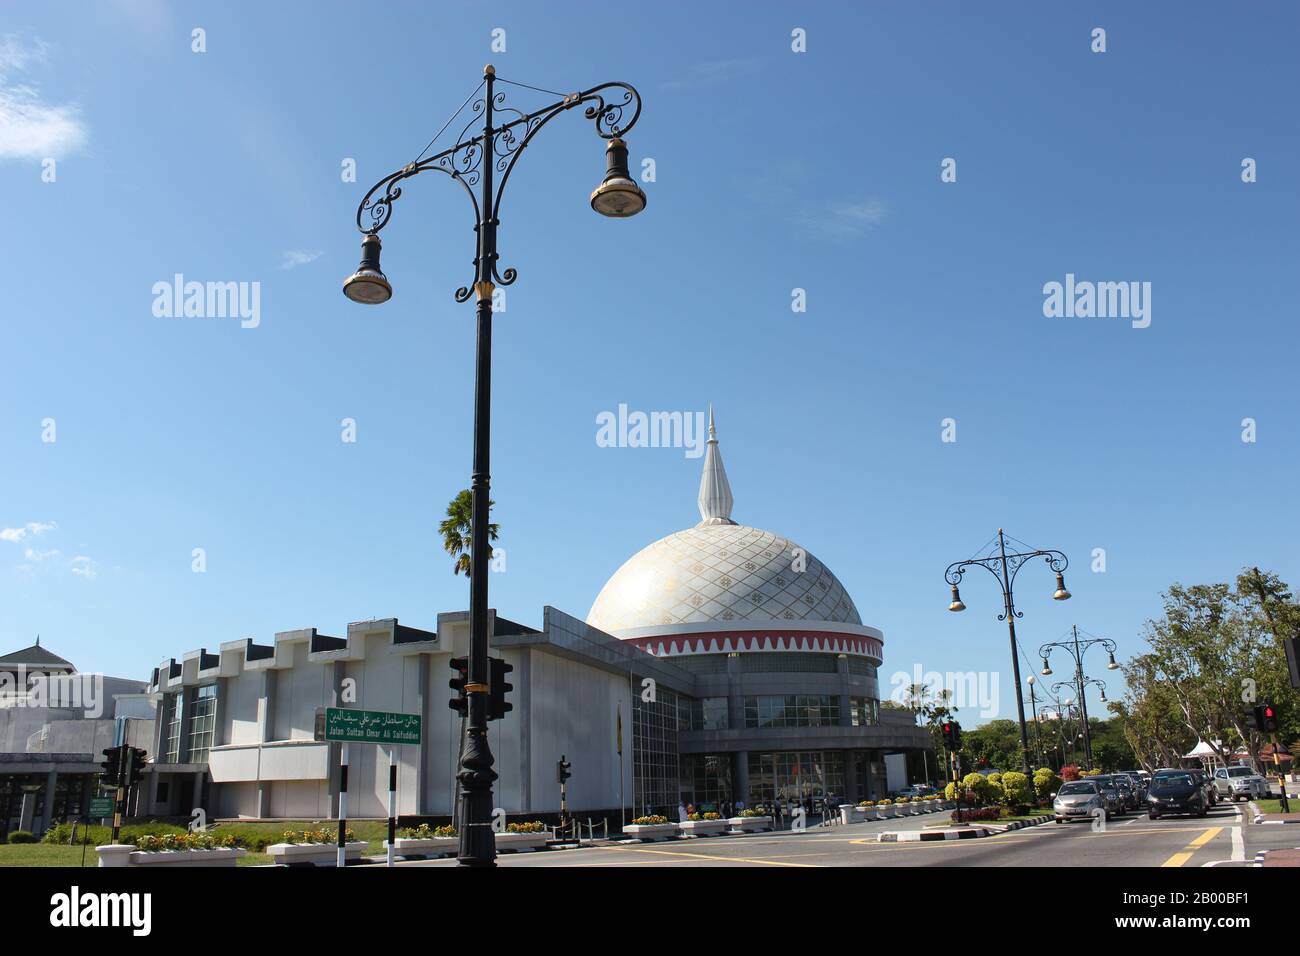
[[681, 813]]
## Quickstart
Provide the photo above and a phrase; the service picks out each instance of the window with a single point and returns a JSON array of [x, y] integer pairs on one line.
[[860, 666], [864, 711], [707, 713], [654, 752], [706, 780], [787, 662], [796, 776], [171, 743], [792, 710], [203, 723]]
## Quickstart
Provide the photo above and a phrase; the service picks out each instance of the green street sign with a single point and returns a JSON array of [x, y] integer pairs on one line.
[[371, 726], [100, 807]]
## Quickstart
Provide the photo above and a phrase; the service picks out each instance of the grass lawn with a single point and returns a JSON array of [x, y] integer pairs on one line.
[[1275, 806], [256, 836]]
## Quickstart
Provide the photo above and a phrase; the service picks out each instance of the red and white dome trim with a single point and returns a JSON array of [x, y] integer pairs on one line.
[[759, 641]]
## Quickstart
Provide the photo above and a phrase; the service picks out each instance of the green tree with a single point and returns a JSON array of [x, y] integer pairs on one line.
[[1015, 789], [456, 530]]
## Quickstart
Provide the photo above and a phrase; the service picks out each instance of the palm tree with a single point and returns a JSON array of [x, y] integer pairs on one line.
[[455, 530]]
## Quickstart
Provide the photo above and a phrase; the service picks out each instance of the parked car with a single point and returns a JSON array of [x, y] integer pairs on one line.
[[914, 791], [1239, 783], [1176, 792], [1110, 791], [1078, 800]]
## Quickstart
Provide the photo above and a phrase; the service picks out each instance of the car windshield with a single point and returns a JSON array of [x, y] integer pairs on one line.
[[1077, 787], [1174, 780], [1239, 772]]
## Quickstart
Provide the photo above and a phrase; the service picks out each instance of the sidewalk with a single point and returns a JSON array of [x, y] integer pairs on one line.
[[1278, 857]]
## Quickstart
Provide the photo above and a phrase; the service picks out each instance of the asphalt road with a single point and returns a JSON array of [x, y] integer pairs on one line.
[[1223, 838]]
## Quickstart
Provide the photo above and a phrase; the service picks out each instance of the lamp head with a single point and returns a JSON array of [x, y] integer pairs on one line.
[[1061, 593], [956, 604], [618, 197], [1047, 671], [368, 285], [1112, 666]]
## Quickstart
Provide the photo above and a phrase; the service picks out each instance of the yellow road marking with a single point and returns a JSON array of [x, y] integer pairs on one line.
[[1178, 859], [705, 856]]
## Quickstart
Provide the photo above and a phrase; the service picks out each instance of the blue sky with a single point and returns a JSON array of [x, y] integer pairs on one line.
[[775, 170]]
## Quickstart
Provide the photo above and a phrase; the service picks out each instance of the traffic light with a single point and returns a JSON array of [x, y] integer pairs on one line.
[[562, 770], [111, 772], [952, 735], [498, 706], [135, 765], [461, 701], [1267, 719]]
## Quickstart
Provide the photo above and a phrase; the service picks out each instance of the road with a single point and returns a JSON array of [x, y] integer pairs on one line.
[[1221, 839]]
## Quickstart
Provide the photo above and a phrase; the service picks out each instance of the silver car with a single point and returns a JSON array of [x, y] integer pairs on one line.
[[1078, 800], [1239, 783]]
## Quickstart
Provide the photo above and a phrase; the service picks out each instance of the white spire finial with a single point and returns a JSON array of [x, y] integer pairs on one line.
[[715, 491]]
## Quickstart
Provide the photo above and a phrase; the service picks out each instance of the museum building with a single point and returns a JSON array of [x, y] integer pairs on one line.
[[720, 663]]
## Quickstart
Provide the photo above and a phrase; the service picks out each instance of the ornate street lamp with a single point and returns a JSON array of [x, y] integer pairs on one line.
[[1077, 649], [474, 162], [1005, 567]]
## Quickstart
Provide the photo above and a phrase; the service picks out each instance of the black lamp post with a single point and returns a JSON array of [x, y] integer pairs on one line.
[[474, 162], [1005, 567], [1077, 649]]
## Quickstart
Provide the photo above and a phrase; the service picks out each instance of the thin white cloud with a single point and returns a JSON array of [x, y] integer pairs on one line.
[[31, 528], [299, 257], [83, 566], [31, 554], [31, 128], [714, 73], [841, 219]]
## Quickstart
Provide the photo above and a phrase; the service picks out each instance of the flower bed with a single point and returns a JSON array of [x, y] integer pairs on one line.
[[173, 849], [704, 824], [651, 828], [749, 821], [314, 848]]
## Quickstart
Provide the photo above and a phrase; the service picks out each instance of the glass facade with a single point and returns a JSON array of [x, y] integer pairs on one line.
[[788, 663], [171, 740], [792, 710], [861, 667], [706, 780], [800, 776], [203, 723], [190, 725], [654, 754], [706, 713], [864, 711]]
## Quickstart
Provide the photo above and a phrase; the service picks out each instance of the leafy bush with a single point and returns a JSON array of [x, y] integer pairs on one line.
[[97, 835], [323, 835], [426, 832], [530, 826], [21, 836], [712, 816], [995, 779], [903, 800], [965, 815], [866, 803], [751, 813], [1070, 772], [655, 819], [1016, 790], [950, 792], [174, 842], [1046, 783], [885, 803], [979, 789]]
